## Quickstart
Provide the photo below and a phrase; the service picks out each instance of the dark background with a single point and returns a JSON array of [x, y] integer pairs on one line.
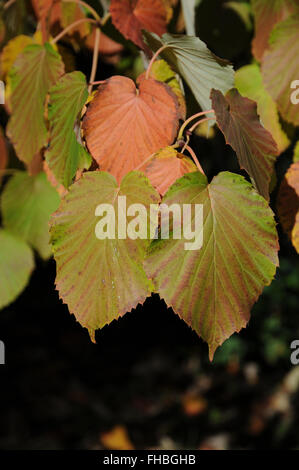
[[149, 374]]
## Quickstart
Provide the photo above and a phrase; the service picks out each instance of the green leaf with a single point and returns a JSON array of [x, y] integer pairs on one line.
[[33, 74], [100, 279], [280, 67], [27, 203], [16, 265], [214, 288], [200, 68], [250, 84], [189, 16], [255, 148], [65, 154], [296, 153]]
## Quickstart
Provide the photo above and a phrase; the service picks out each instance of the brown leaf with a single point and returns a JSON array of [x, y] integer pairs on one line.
[[131, 16], [123, 125], [255, 147]]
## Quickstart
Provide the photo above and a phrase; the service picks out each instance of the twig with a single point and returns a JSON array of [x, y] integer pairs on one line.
[[195, 159], [94, 59], [185, 124], [71, 26], [8, 4], [200, 122], [153, 60]]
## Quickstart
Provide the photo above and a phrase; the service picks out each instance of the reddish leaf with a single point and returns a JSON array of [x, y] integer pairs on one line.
[[107, 46], [44, 9], [131, 16], [123, 126], [238, 120], [162, 72], [3, 153], [266, 16], [165, 167], [288, 204]]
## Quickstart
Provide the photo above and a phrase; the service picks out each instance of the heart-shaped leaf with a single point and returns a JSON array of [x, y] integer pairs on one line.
[[27, 203], [100, 279], [255, 148], [65, 154], [33, 74], [130, 17], [214, 288], [280, 67], [16, 265], [191, 58], [123, 125], [165, 167]]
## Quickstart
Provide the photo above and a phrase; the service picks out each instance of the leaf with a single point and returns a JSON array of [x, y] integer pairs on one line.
[[280, 67], [65, 154], [11, 51], [266, 16], [116, 439], [107, 46], [45, 10], [255, 148], [3, 153], [296, 153], [201, 69], [100, 280], [161, 72], [34, 72], [16, 266], [188, 7], [124, 126], [214, 288], [288, 204], [130, 17], [249, 83], [165, 167], [27, 203]]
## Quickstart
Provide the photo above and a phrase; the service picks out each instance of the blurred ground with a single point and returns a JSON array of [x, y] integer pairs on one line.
[[148, 382]]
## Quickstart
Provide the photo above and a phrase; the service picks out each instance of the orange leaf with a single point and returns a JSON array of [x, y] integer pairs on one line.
[[107, 46], [165, 167], [131, 16], [116, 439], [123, 125], [288, 204]]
